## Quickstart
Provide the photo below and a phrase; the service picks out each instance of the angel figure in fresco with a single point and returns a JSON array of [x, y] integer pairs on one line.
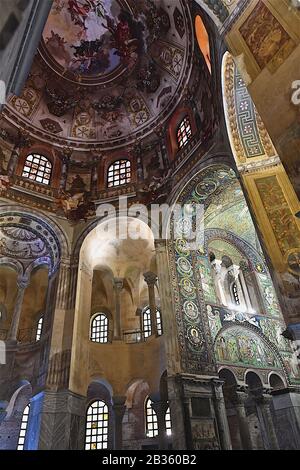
[[123, 42], [88, 14], [78, 11]]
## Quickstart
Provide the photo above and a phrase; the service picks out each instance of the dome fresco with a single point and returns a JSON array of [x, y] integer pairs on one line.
[[107, 70], [94, 38]]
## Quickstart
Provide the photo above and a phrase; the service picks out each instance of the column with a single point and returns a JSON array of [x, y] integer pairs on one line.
[[118, 286], [265, 405], [22, 283], [160, 408], [239, 400], [221, 415], [61, 294], [151, 280], [119, 409], [49, 303]]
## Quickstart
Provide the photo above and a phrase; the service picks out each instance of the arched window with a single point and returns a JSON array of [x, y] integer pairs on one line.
[[96, 435], [235, 293], [151, 420], [147, 322], [158, 322], [37, 168], [184, 132], [24, 424], [39, 329], [203, 40], [99, 328], [168, 422], [119, 173]]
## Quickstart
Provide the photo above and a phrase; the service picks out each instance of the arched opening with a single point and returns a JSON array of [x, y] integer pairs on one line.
[[184, 132], [150, 419], [114, 279], [276, 382], [24, 426], [99, 328], [119, 173], [39, 328], [97, 417], [37, 168], [203, 40], [99, 425]]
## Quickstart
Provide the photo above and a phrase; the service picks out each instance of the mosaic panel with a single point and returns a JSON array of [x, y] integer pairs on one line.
[[235, 345], [266, 38]]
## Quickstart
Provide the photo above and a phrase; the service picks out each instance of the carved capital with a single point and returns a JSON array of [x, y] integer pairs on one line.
[[150, 278], [118, 283]]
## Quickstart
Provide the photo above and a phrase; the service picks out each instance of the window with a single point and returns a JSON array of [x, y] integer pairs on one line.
[[203, 40], [96, 436], [147, 322], [119, 173], [158, 322], [23, 429], [39, 329], [235, 294], [184, 132], [151, 420], [168, 422], [37, 168], [99, 328]]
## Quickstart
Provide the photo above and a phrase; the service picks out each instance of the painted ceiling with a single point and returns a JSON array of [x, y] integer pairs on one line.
[[93, 38], [107, 72]]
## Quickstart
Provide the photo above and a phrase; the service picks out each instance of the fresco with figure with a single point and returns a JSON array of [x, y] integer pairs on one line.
[[117, 66], [250, 338], [93, 37]]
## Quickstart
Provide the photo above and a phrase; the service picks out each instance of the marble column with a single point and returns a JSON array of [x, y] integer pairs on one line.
[[49, 303], [263, 403], [151, 280], [221, 414], [119, 409], [22, 284], [118, 286], [239, 400], [160, 408]]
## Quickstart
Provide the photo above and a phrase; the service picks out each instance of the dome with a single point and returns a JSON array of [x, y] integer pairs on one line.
[[107, 72]]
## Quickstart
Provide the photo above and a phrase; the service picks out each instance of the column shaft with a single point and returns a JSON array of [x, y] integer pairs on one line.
[[14, 327], [119, 409], [239, 404], [118, 286], [151, 279]]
